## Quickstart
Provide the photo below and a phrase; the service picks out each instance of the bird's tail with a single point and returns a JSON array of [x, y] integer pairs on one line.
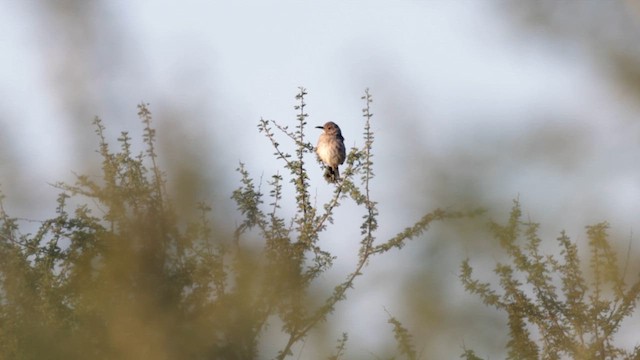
[[332, 174]]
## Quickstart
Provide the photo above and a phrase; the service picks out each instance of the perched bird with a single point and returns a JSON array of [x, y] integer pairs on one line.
[[331, 150]]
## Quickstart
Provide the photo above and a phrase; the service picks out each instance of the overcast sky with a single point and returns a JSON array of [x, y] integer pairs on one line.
[[462, 96]]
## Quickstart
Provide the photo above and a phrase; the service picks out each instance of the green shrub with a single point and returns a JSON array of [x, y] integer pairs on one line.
[[125, 277], [554, 310]]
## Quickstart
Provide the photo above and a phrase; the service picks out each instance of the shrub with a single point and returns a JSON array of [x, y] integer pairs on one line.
[[554, 310], [122, 275]]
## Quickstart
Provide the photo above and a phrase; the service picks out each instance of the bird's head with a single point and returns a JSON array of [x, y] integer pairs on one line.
[[330, 128]]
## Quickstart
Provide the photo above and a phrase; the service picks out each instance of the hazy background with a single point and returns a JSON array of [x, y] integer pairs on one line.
[[475, 103]]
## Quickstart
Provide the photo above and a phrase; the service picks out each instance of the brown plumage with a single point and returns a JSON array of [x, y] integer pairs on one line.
[[331, 150]]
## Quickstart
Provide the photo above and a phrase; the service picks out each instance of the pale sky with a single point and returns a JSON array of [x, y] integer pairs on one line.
[[451, 80]]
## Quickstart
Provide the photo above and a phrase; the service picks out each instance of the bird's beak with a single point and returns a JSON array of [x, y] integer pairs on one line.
[[319, 127]]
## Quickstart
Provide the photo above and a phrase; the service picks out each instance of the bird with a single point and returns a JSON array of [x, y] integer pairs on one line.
[[331, 150]]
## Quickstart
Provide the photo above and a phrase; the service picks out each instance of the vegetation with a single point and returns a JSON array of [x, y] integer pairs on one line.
[[554, 310], [123, 276], [118, 274]]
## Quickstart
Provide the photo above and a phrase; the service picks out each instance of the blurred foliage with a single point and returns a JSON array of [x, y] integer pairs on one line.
[[123, 275], [607, 30], [554, 310]]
